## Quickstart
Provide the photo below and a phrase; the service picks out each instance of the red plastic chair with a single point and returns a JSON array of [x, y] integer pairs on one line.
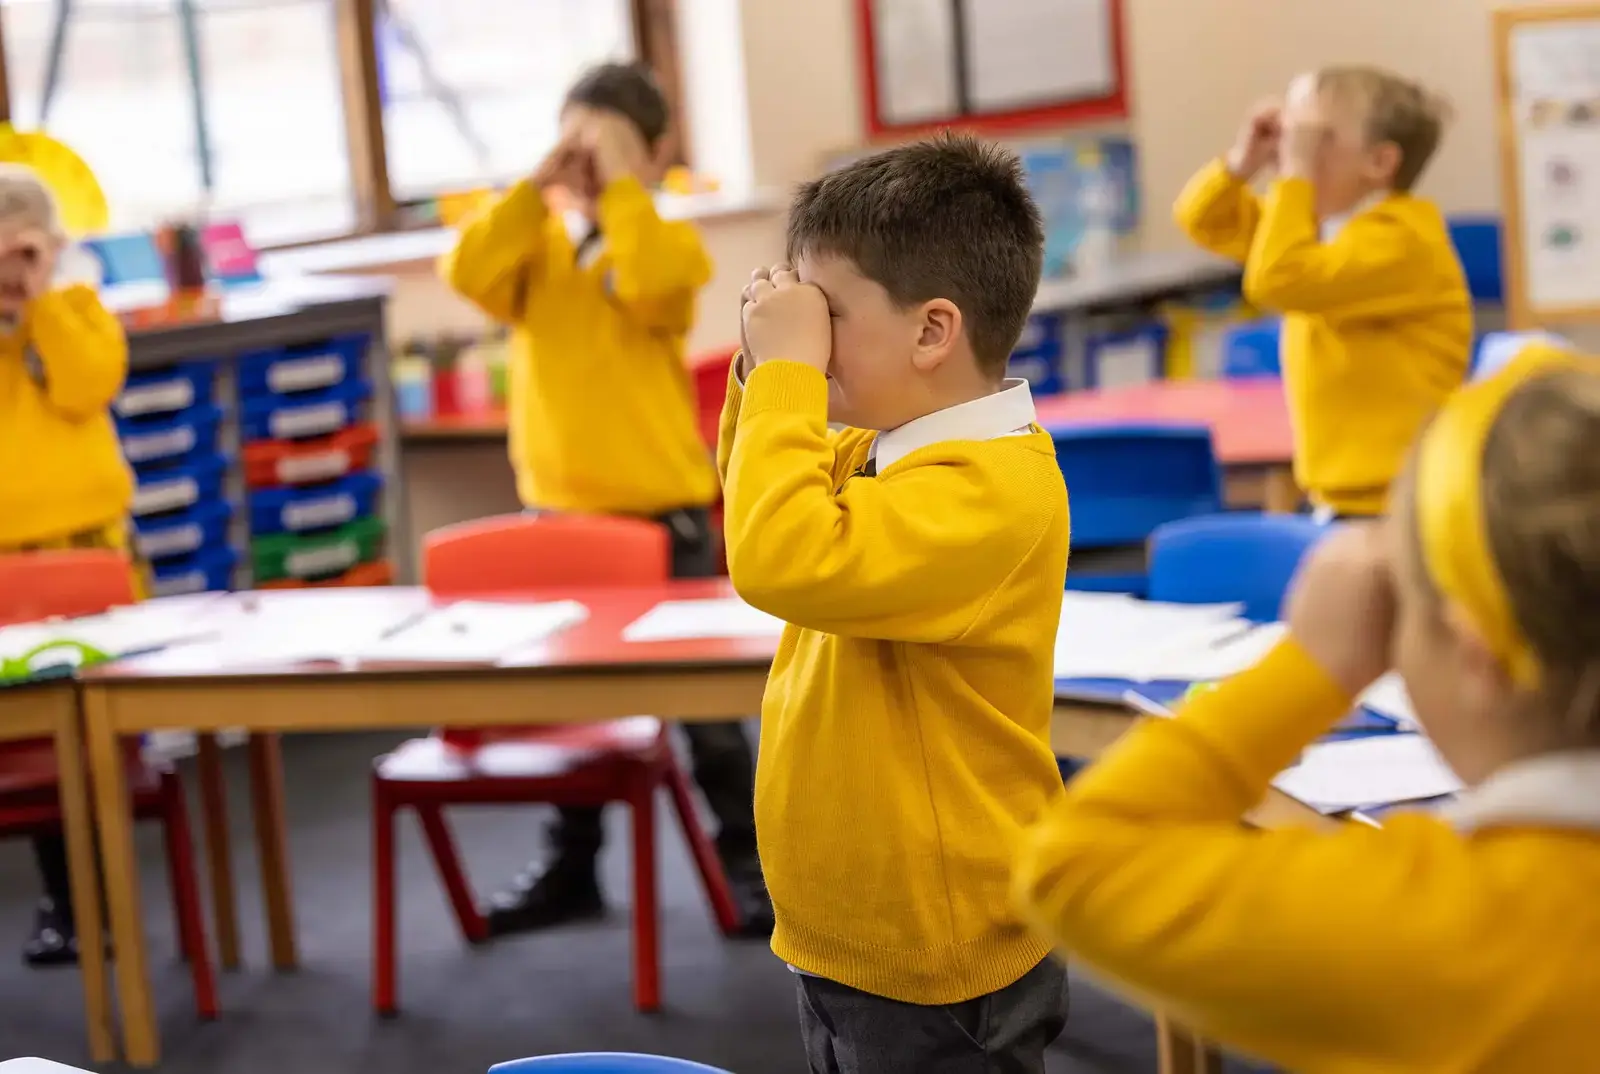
[[42, 585], [617, 761], [710, 387]]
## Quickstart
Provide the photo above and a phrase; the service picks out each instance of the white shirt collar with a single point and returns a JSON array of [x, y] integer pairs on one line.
[[1007, 412], [1559, 790], [1335, 224]]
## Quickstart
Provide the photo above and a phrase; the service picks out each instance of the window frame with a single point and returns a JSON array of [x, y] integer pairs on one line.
[[377, 211]]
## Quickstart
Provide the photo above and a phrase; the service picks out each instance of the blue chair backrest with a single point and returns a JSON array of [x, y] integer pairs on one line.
[[1248, 558], [1251, 349], [602, 1063], [1477, 243], [1125, 480]]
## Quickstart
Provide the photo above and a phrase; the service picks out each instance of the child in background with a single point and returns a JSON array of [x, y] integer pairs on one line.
[[1463, 942], [602, 414], [63, 482], [1377, 326], [918, 559]]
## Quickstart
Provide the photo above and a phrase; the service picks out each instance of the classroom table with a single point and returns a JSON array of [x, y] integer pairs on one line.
[[584, 673], [1248, 419], [49, 709]]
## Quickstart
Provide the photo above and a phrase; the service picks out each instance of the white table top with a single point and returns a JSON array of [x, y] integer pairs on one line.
[[37, 1066]]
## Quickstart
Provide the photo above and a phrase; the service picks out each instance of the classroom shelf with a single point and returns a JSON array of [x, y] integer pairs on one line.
[[478, 425]]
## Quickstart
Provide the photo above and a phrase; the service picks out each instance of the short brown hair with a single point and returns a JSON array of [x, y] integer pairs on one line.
[[948, 218], [1541, 490], [628, 89], [1398, 110]]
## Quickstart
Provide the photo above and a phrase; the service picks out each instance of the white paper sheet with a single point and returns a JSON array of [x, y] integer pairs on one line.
[[1038, 52], [916, 68], [679, 620], [473, 632], [1388, 697], [1114, 636], [1204, 660], [1370, 771], [119, 631]]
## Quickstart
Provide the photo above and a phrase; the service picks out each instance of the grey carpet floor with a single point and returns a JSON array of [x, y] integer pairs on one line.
[[728, 1004]]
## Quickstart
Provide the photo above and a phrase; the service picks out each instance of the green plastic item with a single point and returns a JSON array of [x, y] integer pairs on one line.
[[1199, 688], [22, 668], [308, 556]]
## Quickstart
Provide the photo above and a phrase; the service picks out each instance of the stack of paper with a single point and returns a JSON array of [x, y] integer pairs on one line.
[[1375, 770], [678, 620], [1115, 636], [472, 632], [117, 632]]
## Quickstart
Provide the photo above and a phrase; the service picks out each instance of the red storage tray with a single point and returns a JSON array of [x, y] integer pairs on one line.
[[272, 463]]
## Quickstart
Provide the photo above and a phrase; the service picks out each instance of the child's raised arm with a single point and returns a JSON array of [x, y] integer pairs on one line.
[[82, 350], [1217, 208]]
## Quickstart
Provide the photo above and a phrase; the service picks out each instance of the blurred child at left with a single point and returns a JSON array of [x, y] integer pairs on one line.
[[63, 481]]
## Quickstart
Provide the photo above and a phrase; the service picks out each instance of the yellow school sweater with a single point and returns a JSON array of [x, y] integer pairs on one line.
[[905, 731], [1377, 321], [1415, 948], [61, 467], [601, 407]]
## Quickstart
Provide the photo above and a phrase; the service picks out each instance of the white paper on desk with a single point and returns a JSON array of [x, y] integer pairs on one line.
[[1388, 697], [1115, 636], [121, 630], [296, 626], [474, 632], [721, 617], [1372, 770], [1205, 660]]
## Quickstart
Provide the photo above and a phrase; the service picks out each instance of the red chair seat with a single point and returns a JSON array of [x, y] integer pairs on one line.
[[29, 768], [521, 752]]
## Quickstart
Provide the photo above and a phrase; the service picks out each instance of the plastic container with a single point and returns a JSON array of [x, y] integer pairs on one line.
[[314, 507], [302, 368], [1127, 357], [173, 488], [166, 391], [210, 569], [170, 438], [365, 574], [270, 463], [303, 415], [183, 533], [1037, 357], [315, 556]]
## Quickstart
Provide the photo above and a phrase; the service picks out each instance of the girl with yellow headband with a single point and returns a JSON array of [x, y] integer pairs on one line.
[[1461, 941]]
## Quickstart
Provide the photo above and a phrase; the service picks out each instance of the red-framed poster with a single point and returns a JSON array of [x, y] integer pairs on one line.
[[991, 65]]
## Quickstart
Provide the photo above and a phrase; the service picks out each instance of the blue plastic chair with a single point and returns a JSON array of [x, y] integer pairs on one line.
[[1123, 481], [603, 1063], [1248, 558], [1477, 243], [1251, 349]]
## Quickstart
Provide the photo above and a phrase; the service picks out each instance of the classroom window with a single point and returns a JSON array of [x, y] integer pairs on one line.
[[237, 112], [471, 89]]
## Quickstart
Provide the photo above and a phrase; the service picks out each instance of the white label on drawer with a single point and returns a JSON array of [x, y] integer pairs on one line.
[[172, 541], [176, 585], [165, 496], [159, 445], [316, 466], [156, 398], [308, 420], [324, 511], [299, 374], [326, 559]]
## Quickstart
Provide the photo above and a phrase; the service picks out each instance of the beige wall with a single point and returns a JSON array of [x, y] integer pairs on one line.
[[1196, 65]]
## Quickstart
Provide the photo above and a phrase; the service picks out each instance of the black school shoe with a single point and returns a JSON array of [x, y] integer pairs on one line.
[[54, 941], [567, 892]]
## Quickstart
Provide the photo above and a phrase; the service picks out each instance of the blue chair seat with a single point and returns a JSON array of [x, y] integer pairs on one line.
[[603, 1063], [1248, 558]]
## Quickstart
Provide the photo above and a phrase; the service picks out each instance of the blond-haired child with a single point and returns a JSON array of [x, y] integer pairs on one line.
[[1465, 941], [1377, 325], [63, 481]]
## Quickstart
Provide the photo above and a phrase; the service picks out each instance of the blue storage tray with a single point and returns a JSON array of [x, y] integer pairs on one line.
[[166, 391], [302, 368], [306, 414], [209, 569], [174, 488], [183, 533], [314, 507], [1252, 349], [1477, 243], [171, 437]]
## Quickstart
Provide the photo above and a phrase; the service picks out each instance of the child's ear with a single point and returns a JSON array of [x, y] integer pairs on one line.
[[938, 330], [1385, 162]]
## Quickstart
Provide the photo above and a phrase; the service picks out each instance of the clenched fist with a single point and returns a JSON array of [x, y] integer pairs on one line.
[[786, 319]]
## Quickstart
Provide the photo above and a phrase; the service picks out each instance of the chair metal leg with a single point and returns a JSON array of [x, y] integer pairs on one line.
[[646, 939], [219, 850], [474, 929], [384, 984], [706, 862], [186, 894]]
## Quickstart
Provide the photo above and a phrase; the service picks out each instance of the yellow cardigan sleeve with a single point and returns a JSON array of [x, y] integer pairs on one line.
[[1370, 270], [82, 348], [904, 557], [728, 423], [1331, 951], [658, 266], [498, 252], [1218, 211]]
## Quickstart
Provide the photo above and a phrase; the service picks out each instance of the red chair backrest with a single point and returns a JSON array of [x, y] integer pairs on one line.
[[514, 552], [710, 373], [43, 585]]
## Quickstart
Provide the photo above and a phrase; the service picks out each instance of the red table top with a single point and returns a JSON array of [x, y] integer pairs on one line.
[[595, 643], [1249, 419]]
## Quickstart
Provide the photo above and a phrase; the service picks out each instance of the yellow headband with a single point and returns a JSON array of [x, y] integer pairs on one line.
[[1449, 495]]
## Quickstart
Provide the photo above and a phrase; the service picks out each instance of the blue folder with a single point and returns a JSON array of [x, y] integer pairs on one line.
[[1362, 721]]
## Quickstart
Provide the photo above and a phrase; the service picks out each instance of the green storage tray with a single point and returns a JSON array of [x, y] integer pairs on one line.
[[316, 555]]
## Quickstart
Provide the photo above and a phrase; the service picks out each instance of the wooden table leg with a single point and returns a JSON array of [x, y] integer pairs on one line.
[[1282, 495], [219, 851], [266, 788], [1181, 1052], [141, 1046], [77, 823]]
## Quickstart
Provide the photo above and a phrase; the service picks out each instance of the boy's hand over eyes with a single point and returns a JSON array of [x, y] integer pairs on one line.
[[562, 166], [1257, 143], [618, 149], [786, 319]]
